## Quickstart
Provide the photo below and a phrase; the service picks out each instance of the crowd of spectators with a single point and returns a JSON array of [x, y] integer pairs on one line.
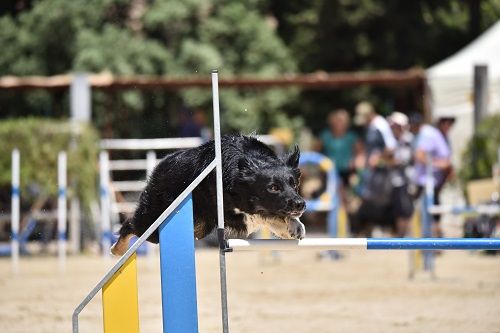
[[383, 165]]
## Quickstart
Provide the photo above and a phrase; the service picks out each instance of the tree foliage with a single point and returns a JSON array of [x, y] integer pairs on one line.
[[481, 152], [255, 37], [149, 37]]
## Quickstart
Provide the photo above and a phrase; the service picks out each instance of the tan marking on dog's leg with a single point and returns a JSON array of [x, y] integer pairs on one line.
[[121, 245], [287, 228], [279, 227]]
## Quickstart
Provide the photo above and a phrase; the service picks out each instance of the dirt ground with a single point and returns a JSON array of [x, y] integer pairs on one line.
[[365, 291]]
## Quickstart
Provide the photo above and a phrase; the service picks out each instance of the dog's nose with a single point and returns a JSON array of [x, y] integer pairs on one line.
[[299, 204]]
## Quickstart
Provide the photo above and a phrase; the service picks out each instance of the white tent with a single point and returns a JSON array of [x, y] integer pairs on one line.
[[451, 85]]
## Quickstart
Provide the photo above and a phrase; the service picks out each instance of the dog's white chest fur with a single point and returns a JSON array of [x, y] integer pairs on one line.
[[286, 228]]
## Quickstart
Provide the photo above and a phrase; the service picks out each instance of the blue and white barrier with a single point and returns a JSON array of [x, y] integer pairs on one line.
[[16, 213], [365, 244]]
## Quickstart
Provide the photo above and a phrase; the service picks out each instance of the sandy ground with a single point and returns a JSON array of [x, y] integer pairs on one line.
[[366, 291]]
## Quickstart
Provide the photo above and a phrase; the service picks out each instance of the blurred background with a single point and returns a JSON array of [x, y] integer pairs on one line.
[[378, 89]]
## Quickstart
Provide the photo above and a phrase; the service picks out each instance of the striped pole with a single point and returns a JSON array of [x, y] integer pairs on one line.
[[15, 210], [61, 209], [105, 203], [366, 244]]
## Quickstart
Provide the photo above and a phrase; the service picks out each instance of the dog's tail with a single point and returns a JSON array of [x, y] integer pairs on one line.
[[126, 233]]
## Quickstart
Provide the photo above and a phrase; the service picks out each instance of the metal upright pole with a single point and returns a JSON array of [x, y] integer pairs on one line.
[[220, 201], [427, 216], [105, 203], [15, 210], [61, 209], [480, 93]]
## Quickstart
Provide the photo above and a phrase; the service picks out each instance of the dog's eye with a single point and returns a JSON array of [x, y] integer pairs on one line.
[[274, 188]]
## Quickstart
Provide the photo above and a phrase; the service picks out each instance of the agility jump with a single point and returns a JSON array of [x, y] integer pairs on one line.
[[178, 280], [18, 238]]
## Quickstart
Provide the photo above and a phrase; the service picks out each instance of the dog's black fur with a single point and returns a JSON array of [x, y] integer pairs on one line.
[[259, 188]]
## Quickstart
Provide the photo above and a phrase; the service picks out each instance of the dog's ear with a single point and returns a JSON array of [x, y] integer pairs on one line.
[[246, 169], [292, 158]]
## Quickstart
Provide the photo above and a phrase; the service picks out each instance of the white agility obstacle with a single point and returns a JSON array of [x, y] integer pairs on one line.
[[177, 261], [16, 235]]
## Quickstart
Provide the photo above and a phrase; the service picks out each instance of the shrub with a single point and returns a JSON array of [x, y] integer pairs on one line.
[[481, 151], [39, 141]]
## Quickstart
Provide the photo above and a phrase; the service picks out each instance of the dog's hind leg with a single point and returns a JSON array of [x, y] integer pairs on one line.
[[121, 245]]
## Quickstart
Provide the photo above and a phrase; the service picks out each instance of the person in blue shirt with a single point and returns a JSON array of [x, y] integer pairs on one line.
[[340, 144]]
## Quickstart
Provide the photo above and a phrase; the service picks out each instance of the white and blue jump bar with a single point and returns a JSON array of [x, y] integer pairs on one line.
[[365, 244]]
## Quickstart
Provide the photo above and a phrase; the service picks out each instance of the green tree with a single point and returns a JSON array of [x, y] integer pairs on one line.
[[147, 37], [349, 35]]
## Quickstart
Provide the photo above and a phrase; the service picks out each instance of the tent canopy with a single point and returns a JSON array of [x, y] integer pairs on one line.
[[451, 85]]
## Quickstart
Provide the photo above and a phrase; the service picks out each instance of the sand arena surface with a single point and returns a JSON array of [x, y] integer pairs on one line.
[[366, 291]]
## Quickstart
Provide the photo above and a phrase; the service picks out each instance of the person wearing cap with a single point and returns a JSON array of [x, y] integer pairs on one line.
[[432, 142], [401, 172], [379, 140]]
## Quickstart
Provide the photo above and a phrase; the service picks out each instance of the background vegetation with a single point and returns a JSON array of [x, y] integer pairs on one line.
[[266, 38], [39, 142], [482, 150]]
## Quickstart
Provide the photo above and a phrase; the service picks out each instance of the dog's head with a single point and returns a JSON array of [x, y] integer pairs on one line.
[[271, 188]]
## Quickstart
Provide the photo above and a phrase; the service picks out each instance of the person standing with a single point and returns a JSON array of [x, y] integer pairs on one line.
[[401, 172], [432, 142], [377, 189], [339, 143]]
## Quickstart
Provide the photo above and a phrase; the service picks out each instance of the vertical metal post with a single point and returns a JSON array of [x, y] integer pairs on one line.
[[80, 99], [15, 210], [333, 189], [480, 93], [426, 215], [74, 225], [61, 209], [150, 162], [220, 201], [105, 203]]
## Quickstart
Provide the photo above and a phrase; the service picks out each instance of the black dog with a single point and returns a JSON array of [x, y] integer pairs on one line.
[[260, 189]]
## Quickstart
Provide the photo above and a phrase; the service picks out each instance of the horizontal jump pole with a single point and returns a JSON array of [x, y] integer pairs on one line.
[[365, 244], [168, 143], [491, 209], [150, 144]]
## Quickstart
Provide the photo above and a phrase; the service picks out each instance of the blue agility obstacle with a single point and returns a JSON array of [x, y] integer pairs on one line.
[[328, 200]]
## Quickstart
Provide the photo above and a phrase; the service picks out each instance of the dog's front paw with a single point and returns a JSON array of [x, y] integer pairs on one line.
[[296, 229]]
